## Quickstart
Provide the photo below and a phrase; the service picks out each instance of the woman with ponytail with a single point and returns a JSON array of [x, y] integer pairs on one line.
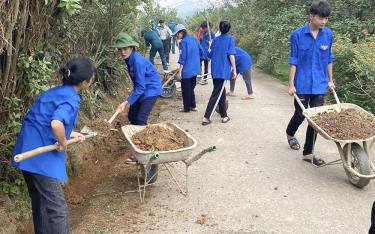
[[50, 120]]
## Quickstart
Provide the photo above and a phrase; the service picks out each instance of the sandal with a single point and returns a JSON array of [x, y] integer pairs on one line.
[[230, 94], [131, 160], [294, 144], [194, 109], [183, 110], [204, 123], [225, 119], [315, 160]]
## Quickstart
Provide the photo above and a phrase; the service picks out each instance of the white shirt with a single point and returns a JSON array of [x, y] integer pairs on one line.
[[165, 33]]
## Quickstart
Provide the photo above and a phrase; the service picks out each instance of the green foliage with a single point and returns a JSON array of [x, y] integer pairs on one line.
[[71, 7], [17, 188], [36, 74]]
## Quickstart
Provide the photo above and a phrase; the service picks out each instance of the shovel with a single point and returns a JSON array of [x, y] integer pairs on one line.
[[43, 149]]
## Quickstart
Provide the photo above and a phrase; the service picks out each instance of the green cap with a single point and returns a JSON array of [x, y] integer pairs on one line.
[[124, 40]]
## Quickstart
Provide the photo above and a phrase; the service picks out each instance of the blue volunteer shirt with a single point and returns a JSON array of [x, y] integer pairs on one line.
[[146, 80], [190, 52], [243, 61], [58, 103], [222, 46], [311, 58], [151, 37], [205, 44]]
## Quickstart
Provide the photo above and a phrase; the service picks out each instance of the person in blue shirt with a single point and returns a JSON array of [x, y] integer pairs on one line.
[[205, 43], [243, 65], [310, 73], [172, 26], [146, 81], [189, 60], [51, 119], [151, 38], [223, 67]]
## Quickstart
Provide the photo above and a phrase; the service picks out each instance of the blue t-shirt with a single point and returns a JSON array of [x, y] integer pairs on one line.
[[151, 37], [243, 61], [58, 103], [205, 44], [146, 80], [190, 52], [222, 46], [311, 58]]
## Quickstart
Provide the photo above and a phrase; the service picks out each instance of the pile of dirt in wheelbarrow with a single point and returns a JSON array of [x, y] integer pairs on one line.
[[155, 137], [349, 124]]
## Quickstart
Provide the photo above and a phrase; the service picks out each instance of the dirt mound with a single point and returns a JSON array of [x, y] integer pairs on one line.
[[348, 124], [158, 138]]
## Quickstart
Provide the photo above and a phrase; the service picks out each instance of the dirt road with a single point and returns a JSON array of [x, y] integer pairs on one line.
[[253, 183]]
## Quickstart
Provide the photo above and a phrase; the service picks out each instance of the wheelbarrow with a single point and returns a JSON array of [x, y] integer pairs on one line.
[[169, 86], [147, 161], [354, 154]]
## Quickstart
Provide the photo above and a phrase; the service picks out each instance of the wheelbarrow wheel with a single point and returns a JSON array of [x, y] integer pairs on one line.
[[359, 161], [226, 107], [152, 174], [169, 90]]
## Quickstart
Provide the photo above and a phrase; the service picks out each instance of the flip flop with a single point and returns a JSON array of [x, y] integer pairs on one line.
[[247, 97], [131, 160], [294, 144], [204, 123], [230, 94], [194, 109], [225, 119], [316, 161]]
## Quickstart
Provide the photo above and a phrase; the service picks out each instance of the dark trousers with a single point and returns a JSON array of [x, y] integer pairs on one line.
[[205, 67], [218, 97], [188, 95], [153, 51], [372, 228], [167, 48], [174, 45], [308, 100], [49, 208], [140, 110]]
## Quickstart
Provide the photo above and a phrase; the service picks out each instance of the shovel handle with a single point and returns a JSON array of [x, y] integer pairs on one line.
[[44, 149], [299, 102], [113, 116]]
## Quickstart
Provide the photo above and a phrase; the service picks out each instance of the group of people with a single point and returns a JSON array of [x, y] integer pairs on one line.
[[161, 40], [53, 115]]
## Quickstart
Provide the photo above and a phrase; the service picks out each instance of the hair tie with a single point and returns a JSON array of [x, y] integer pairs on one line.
[[68, 72]]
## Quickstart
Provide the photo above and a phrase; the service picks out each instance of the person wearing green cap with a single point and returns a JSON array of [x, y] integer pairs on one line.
[[146, 81]]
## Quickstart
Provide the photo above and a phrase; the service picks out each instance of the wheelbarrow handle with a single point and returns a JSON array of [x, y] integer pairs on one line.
[[189, 161], [303, 107], [43, 149]]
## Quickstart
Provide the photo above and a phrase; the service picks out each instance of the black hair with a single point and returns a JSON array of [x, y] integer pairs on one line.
[[204, 24], [320, 8], [224, 26], [77, 70], [161, 21], [184, 32]]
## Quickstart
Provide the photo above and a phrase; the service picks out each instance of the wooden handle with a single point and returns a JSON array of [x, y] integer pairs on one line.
[[113, 116], [209, 30], [44, 149], [299, 102]]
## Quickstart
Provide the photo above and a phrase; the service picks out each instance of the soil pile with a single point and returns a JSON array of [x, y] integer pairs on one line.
[[348, 124], [158, 138]]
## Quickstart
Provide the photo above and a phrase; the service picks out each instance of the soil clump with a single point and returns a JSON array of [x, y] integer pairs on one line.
[[349, 124], [156, 137]]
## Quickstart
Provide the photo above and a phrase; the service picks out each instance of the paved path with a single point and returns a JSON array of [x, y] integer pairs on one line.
[[253, 183]]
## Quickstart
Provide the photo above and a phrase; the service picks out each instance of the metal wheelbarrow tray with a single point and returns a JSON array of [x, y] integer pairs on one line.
[[148, 161], [354, 153]]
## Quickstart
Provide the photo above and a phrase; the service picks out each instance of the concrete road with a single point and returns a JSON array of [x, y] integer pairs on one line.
[[254, 183]]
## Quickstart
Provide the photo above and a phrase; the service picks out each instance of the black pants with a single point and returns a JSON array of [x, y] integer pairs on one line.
[[140, 110], [205, 67], [372, 228], [188, 95], [167, 48], [218, 97], [308, 100]]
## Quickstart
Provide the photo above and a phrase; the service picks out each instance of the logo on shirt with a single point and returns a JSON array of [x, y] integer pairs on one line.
[[324, 47]]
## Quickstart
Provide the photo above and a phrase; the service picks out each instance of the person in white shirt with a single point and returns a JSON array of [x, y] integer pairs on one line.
[[165, 35]]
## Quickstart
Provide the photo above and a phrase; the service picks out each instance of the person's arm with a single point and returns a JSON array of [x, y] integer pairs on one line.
[[233, 63], [58, 130], [139, 83], [182, 58], [169, 31], [331, 84], [292, 73], [293, 64]]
